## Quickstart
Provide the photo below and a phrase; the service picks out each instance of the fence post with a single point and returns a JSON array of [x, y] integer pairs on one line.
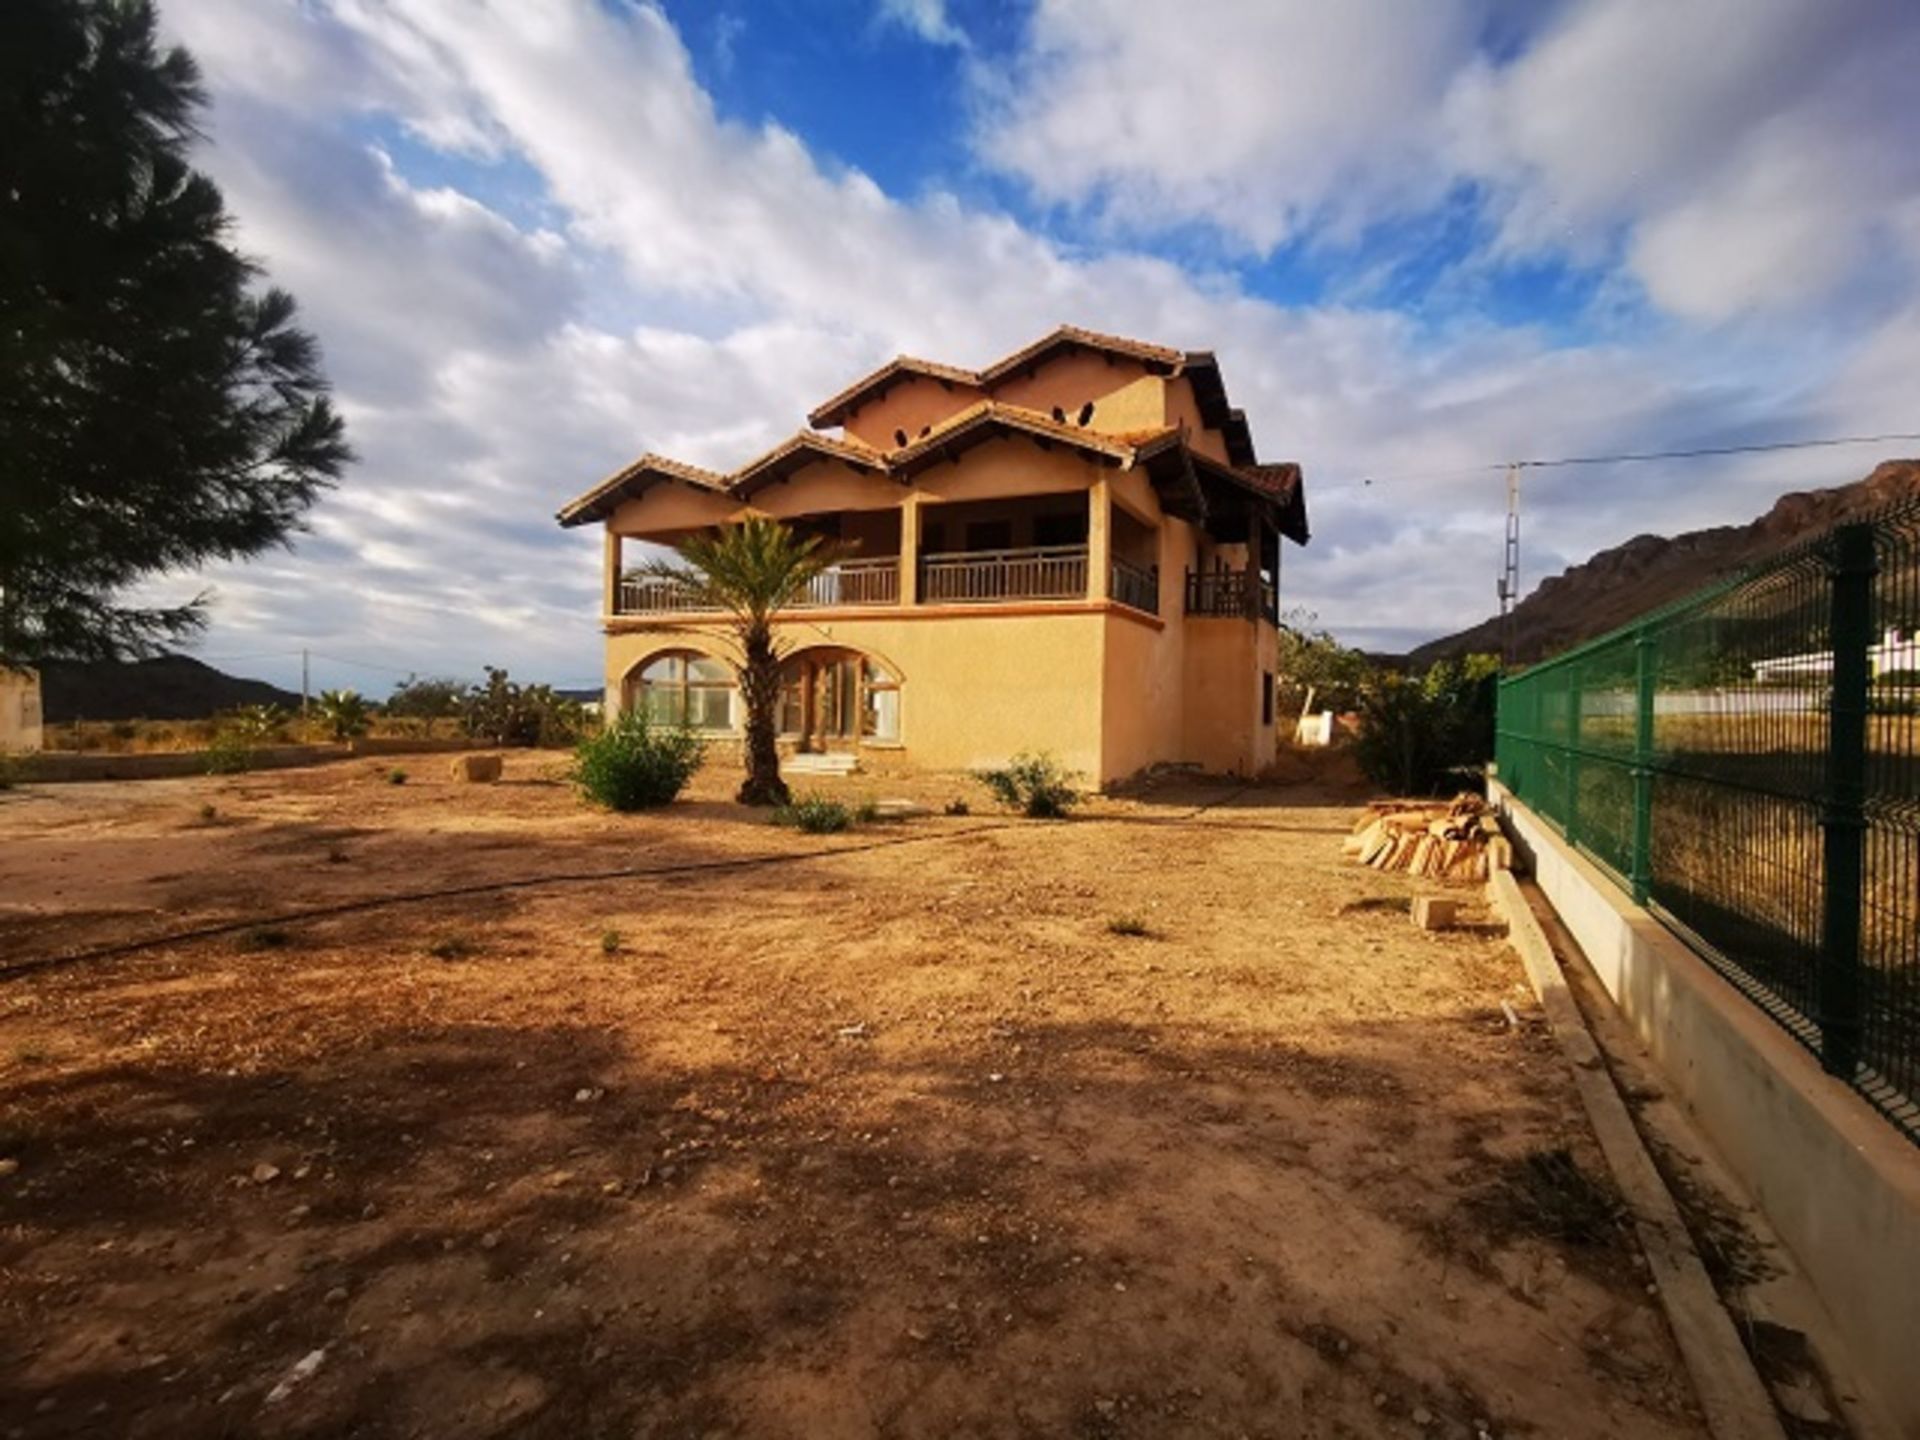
[[1843, 815], [1572, 811], [1640, 875]]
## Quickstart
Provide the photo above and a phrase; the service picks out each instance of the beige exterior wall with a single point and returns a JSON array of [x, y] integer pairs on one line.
[[975, 688], [1106, 689], [20, 728], [912, 404]]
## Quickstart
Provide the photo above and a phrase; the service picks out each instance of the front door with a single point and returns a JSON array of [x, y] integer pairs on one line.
[[826, 693]]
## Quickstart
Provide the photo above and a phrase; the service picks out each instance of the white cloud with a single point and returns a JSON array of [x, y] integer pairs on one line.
[[702, 283], [926, 18], [1747, 150]]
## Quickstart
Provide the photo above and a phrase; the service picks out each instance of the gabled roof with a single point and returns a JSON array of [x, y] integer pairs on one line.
[[796, 452], [633, 481], [1072, 337], [990, 419], [870, 386]]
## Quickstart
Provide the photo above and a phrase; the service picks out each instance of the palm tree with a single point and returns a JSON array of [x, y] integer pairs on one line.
[[752, 571]]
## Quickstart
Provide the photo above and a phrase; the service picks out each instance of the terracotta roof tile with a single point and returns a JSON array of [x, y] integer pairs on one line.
[[633, 479]]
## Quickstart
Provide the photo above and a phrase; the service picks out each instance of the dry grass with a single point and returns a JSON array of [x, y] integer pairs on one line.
[[874, 1134]]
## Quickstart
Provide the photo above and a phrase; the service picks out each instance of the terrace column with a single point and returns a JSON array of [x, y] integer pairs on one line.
[[610, 575], [1100, 540], [910, 550]]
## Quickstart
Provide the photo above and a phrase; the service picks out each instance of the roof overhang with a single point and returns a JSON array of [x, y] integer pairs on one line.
[[990, 421], [633, 481], [873, 386], [793, 455]]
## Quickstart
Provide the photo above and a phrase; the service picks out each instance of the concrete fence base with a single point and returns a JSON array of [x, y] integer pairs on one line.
[[1840, 1186]]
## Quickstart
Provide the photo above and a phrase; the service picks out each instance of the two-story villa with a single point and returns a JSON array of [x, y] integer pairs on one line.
[[1073, 550]]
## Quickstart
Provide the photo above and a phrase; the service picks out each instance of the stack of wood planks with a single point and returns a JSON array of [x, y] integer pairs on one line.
[[1456, 839]]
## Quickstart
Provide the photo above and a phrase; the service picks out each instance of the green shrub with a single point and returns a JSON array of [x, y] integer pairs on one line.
[[1033, 784], [1432, 734], [958, 806], [502, 712], [229, 753], [257, 724], [815, 814], [396, 776], [632, 764], [611, 941], [9, 772], [1129, 925], [343, 714]]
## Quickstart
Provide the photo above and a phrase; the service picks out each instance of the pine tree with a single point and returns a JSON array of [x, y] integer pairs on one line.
[[159, 409]]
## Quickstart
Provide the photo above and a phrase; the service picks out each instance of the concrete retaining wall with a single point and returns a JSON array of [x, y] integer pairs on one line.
[[1839, 1184]]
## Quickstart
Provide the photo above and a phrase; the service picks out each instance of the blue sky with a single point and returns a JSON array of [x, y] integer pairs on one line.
[[536, 237]]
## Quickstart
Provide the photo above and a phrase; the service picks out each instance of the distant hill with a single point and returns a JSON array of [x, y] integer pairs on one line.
[[171, 687], [1648, 571]]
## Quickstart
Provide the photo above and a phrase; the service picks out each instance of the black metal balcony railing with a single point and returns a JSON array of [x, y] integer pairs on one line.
[[1138, 586], [1231, 592], [1048, 572]]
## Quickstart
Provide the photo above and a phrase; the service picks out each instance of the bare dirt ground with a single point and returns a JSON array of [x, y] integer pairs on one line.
[[891, 1135]]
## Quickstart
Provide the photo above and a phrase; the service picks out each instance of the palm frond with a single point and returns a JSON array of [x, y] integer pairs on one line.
[[753, 570]]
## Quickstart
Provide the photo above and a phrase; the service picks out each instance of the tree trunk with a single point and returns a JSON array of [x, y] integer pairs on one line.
[[760, 688]]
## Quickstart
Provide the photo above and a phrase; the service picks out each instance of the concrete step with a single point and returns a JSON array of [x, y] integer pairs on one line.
[[830, 764]]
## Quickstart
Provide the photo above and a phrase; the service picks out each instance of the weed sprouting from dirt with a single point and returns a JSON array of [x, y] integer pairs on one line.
[[815, 814], [265, 937], [1545, 1193], [611, 941], [957, 807], [337, 856], [1129, 925], [208, 814], [452, 947], [396, 776]]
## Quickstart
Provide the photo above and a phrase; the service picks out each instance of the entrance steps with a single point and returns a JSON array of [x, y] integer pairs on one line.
[[829, 764]]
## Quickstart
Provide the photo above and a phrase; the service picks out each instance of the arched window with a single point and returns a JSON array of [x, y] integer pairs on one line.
[[686, 689], [880, 717]]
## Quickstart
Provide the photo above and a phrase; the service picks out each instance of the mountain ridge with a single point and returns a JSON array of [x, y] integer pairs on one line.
[[1613, 586]]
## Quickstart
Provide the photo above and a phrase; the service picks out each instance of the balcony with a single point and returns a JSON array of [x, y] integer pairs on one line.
[[1244, 593], [1046, 572], [974, 577]]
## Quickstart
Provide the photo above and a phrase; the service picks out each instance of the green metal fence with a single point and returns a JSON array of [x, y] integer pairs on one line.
[[1746, 763]]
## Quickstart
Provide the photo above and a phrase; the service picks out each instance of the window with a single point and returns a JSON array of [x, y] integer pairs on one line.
[[691, 690], [880, 719], [1266, 697]]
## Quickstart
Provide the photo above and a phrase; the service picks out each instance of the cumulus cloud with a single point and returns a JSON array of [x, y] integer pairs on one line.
[[1743, 153], [693, 285], [926, 18]]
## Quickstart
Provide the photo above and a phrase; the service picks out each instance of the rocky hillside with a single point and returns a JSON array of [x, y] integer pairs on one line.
[[1616, 585], [171, 687]]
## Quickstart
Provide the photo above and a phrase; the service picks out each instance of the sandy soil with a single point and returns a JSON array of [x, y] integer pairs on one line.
[[885, 1134]]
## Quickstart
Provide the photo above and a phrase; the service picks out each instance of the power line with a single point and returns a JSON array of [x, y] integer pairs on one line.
[[1626, 458]]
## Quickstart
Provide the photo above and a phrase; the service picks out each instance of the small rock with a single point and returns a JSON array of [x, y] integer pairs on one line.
[[612, 1187], [1379, 1399], [265, 1172], [1105, 1407], [914, 1332], [585, 1096], [490, 1240], [336, 1296], [996, 1078], [9, 1166], [1422, 1416], [559, 1178]]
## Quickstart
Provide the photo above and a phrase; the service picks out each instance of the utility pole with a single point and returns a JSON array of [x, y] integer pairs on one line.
[[1509, 582], [303, 682]]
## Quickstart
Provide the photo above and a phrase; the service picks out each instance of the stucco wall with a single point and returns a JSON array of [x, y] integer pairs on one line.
[[20, 728], [1071, 379], [973, 689], [908, 405]]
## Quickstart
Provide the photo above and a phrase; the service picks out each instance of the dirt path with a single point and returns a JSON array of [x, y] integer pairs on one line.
[[901, 1142]]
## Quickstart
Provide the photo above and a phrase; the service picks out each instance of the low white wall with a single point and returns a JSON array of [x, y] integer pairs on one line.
[[1839, 1185], [20, 728]]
